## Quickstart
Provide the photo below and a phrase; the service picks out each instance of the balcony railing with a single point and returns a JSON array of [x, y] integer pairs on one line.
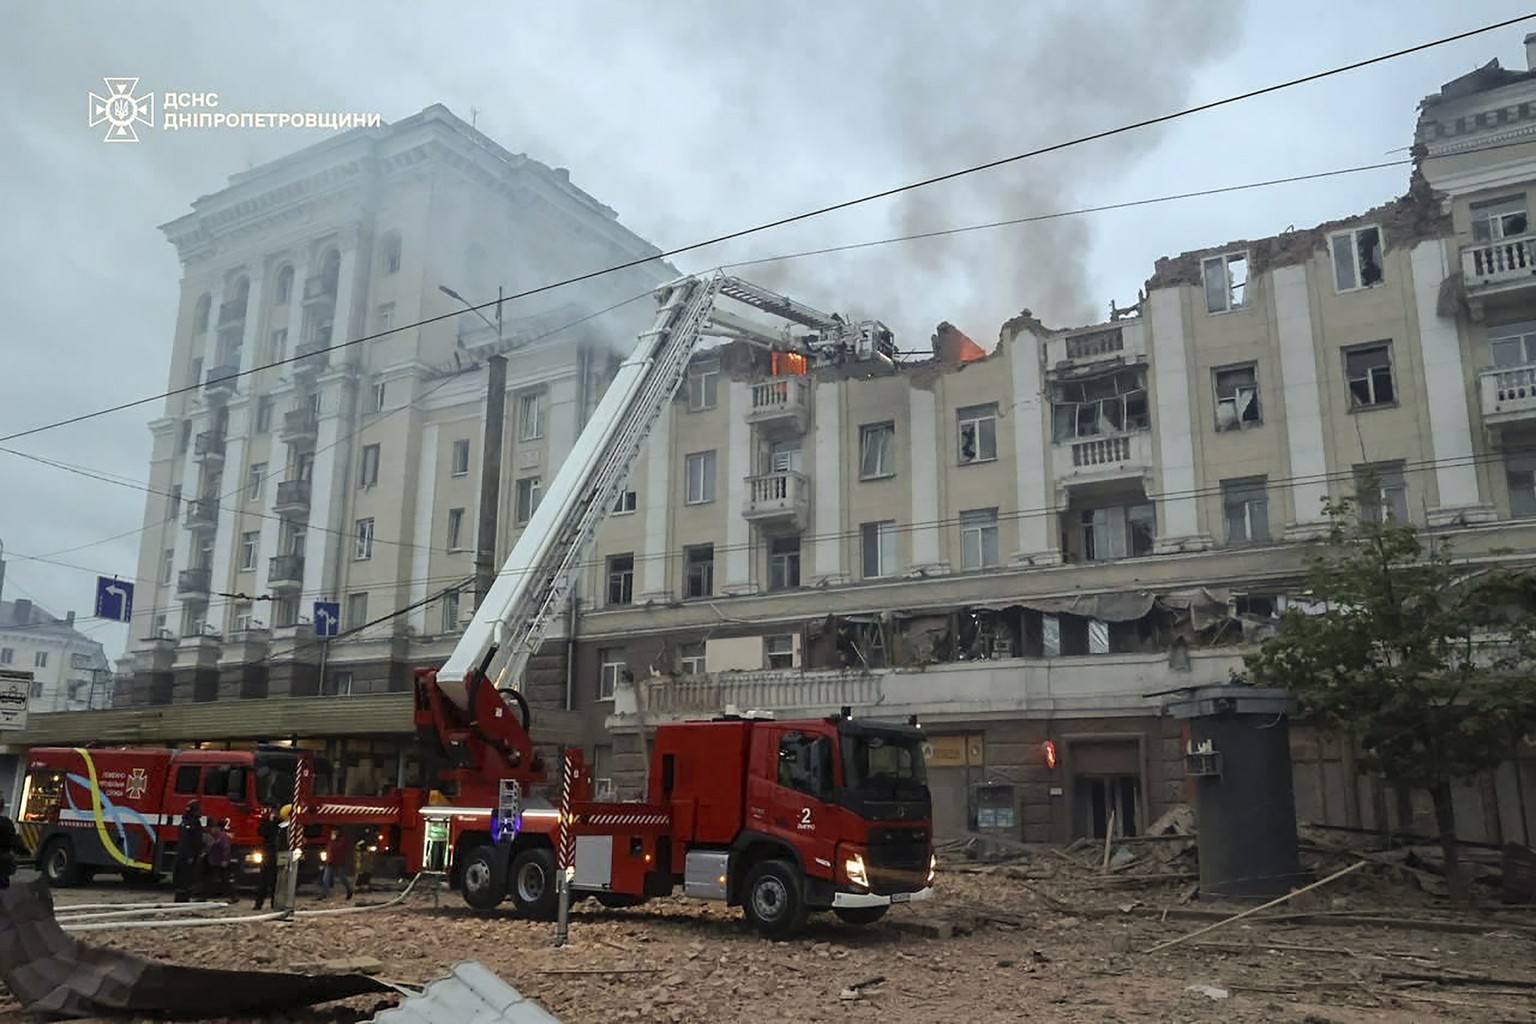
[[193, 582], [781, 496], [810, 693], [1107, 456], [312, 356], [285, 571], [1508, 394], [1499, 262], [320, 286], [209, 445], [299, 425], [202, 514], [1101, 451], [221, 378], [1097, 343], [292, 496], [231, 312], [781, 400]]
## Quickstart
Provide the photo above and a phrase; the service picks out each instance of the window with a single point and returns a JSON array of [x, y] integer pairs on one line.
[[783, 563], [699, 570], [37, 688], [40, 659], [200, 314], [703, 387], [264, 415], [780, 650], [386, 316], [368, 470], [1226, 282], [530, 416], [277, 345], [187, 777], [249, 542], [611, 666], [303, 466], [690, 659], [701, 477], [978, 433], [460, 466], [450, 611], [357, 611], [167, 565], [1520, 474], [255, 477], [1117, 532], [1107, 404], [1498, 219], [879, 544], [1245, 507], [625, 505], [196, 374], [7, 655], [1513, 345], [527, 499], [877, 451], [1381, 492], [1368, 369], [364, 539], [455, 529], [184, 439], [79, 661], [805, 764], [284, 286], [175, 501], [784, 457], [978, 538], [621, 579], [391, 259], [1237, 397], [1356, 258], [339, 685], [376, 397]]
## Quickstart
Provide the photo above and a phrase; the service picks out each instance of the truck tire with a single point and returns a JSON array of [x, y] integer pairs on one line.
[[774, 899], [859, 915], [58, 865], [533, 884], [482, 877]]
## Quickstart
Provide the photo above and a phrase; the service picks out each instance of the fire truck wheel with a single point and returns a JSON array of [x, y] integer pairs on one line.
[[483, 884], [58, 864], [774, 903], [859, 915], [533, 884]]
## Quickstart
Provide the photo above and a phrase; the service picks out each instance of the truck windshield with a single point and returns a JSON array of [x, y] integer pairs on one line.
[[875, 763], [274, 779]]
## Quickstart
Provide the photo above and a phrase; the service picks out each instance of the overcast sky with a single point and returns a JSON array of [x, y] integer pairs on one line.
[[691, 118]]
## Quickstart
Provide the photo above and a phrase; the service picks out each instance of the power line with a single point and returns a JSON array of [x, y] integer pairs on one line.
[[820, 211]]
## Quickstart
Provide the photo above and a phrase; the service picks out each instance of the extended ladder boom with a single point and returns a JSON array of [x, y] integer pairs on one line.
[[533, 584]]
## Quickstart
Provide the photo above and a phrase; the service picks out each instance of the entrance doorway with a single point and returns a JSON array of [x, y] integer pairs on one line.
[[1106, 785]]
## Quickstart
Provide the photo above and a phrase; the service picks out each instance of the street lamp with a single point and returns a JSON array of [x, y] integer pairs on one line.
[[475, 309]]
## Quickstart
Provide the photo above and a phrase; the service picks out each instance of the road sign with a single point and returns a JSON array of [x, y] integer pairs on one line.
[[327, 618], [114, 599], [15, 691]]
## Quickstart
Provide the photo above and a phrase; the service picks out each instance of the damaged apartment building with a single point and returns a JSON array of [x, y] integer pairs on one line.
[[1042, 542]]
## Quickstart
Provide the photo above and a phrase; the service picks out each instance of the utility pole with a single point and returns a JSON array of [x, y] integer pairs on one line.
[[490, 465]]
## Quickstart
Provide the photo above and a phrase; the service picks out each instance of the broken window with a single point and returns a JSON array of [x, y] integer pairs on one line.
[[879, 548], [1237, 397], [1356, 258], [877, 451], [1117, 532], [1245, 506], [1368, 370], [690, 659], [621, 579], [613, 665], [1107, 404], [1513, 344], [699, 570], [781, 650], [1499, 218], [784, 457], [978, 433], [1226, 282], [784, 563], [1381, 492], [978, 538]]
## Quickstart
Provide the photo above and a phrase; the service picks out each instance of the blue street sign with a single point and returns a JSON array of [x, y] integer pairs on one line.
[[114, 599], [327, 618]]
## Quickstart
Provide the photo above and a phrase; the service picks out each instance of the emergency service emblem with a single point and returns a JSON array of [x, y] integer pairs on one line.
[[138, 782], [121, 110]]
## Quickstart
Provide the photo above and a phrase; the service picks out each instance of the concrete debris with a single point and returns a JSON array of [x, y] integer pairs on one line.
[[1209, 991], [469, 992]]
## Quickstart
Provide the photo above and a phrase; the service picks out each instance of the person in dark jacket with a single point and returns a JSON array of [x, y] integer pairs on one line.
[[266, 882], [10, 846], [189, 852]]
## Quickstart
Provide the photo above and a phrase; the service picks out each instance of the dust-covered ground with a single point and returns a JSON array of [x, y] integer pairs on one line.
[[1044, 938]]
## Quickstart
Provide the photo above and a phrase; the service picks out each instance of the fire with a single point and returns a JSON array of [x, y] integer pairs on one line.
[[790, 364]]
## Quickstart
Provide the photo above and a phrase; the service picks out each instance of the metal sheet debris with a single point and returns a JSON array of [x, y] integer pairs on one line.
[[469, 994]]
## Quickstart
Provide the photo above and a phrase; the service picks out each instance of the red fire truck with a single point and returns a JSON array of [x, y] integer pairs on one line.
[[86, 809]]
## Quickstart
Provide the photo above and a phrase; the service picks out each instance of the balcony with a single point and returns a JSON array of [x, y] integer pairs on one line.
[[285, 572], [194, 582], [221, 379], [1106, 457], [780, 499], [1508, 395], [203, 514], [292, 496], [312, 357], [231, 313], [788, 693], [1503, 268], [320, 288], [209, 447], [783, 402], [299, 426]]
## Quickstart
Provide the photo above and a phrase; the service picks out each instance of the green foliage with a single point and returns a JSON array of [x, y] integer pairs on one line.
[[1426, 664]]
